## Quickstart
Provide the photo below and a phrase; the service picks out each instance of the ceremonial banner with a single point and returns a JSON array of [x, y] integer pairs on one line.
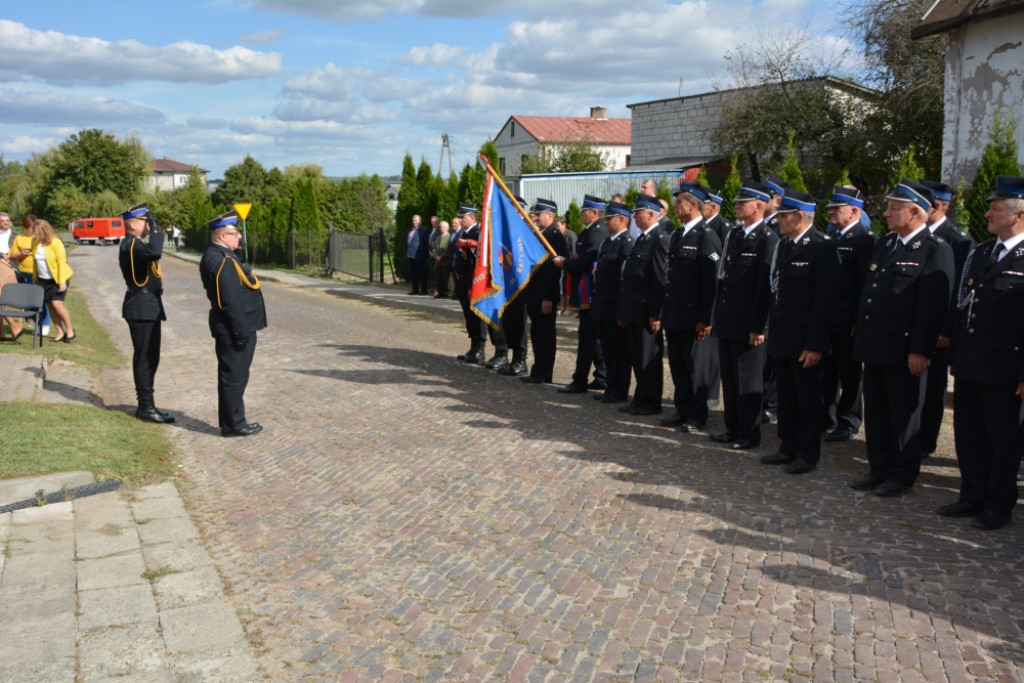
[[510, 250]]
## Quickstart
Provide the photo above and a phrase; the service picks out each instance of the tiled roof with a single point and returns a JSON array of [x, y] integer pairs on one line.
[[166, 165], [946, 15], [575, 128]]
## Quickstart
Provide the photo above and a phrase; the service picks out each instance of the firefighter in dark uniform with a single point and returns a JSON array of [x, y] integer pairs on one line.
[[705, 356], [143, 308], [842, 386], [693, 254], [641, 296], [741, 316], [898, 323], [988, 364], [542, 296], [513, 326], [604, 305], [464, 246], [579, 268], [770, 402], [237, 313], [938, 379], [803, 283]]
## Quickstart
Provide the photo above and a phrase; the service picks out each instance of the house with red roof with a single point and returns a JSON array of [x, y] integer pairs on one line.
[[524, 136], [169, 175]]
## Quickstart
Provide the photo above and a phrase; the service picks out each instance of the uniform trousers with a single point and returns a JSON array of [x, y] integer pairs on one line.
[[513, 324], [588, 352], [770, 393], [988, 424], [474, 328], [497, 335], [418, 268], [646, 354], [615, 343], [934, 400], [742, 387], [690, 396], [892, 422], [706, 372], [800, 409], [232, 378], [842, 384], [145, 354], [543, 340]]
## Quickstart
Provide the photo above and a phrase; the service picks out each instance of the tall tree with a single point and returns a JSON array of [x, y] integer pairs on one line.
[[94, 161], [566, 156], [408, 206], [198, 208], [730, 189], [244, 183], [790, 169], [999, 158]]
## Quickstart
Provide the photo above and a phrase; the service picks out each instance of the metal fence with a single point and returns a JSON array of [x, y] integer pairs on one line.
[[358, 254], [292, 249]]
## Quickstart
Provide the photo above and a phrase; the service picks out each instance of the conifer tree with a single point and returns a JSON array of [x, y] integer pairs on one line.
[[790, 170], [999, 158], [408, 203], [730, 189], [573, 218]]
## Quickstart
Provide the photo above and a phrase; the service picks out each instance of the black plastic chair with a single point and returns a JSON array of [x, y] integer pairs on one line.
[[19, 300]]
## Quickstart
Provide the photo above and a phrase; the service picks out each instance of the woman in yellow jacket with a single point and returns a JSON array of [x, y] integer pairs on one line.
[[51, 270]]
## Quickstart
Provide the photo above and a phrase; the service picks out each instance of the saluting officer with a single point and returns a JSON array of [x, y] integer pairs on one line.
[[604, 305], [143, 308], [805, 276], [693, 254], [237, 313], [901, 312], [988, 364], [741, 316], [938, 379], [841, 385]]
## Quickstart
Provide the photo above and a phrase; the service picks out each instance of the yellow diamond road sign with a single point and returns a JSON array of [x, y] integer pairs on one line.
[[243, 210]]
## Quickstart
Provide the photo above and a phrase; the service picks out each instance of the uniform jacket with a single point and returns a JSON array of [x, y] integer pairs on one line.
[[580, 267], [464, 258], [804, 281], [720, 225], [855, 249], [642, 287], [741, 305], [692, 278], [961, 244], [988, 335], [236, 309], [607, 275], [140, 269], [904, 301], [546, 282]]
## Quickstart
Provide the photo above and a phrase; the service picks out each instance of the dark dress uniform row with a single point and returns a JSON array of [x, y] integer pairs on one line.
[[604, 304]]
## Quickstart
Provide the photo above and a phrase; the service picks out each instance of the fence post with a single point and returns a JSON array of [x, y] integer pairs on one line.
[[380, 254]]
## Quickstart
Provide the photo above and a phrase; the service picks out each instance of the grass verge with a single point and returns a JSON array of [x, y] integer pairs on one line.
[[44, 438]]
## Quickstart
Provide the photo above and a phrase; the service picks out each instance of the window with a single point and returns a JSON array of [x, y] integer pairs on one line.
[[501, 165]]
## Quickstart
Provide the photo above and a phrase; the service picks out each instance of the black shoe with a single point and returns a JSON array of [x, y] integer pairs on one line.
[[607, 398], [471, 356], [767, 416], [675, 421], [645, 410], [958, 510], [68, 340], [744, 444], [513, 369], [498, 362], [530, 379], [690, 427], [777, 459], [597, 386], [927, 454], [248, 430], [839, 434], [721, 438], [989, 521], [891, 489], [866, 483], [628, 408], [572, 389], [799, 467], [151, 414]]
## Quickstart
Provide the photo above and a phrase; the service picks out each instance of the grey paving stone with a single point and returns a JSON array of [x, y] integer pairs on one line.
[[157, 501], [129, 649], [105, 607], [201, 628], [178, 555], [188, 588], [112, 572], [165, 530]]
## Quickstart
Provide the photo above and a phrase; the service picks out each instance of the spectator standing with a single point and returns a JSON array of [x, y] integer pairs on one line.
[[417, 247], [441, 248], [51, 270]]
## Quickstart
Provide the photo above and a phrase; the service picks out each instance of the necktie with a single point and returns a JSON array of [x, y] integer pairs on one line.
[[996, 253]]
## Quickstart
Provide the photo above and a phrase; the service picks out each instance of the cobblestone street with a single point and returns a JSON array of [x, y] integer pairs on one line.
[[404, 516]]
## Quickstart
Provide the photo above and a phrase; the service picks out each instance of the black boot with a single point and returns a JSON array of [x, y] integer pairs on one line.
[[475, 353], [516, 367], [499, 361], [147, 412]]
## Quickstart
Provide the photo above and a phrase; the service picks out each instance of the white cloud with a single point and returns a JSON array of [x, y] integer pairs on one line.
[[350, 10], [437, 55], [344, 112], [207, 123], [329, 83], [57, 108], [267, 37], [25, 145], [75, 60]]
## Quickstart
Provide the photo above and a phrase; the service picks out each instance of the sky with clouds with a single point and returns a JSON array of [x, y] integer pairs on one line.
[[353, 85]]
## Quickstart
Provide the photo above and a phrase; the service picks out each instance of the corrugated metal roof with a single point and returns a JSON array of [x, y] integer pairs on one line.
[[576, 128], [831, 80], [166, 165]]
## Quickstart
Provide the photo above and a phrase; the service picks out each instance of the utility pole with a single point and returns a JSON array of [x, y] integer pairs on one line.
[[445, 144]]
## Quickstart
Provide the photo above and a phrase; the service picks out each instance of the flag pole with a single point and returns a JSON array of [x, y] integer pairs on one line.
[[526, 216]]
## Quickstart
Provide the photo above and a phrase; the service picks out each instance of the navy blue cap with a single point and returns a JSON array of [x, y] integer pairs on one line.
[[223, 220], [846, 196], [696, 189], [543, 205], [751, 190], [592, 202], [1007, 187], [713, 195], [797, 201], [465, 208], [617, 209], [520, 200], [646, 201], [137, 211], [908, 191], [776, 184], [940, 191]]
